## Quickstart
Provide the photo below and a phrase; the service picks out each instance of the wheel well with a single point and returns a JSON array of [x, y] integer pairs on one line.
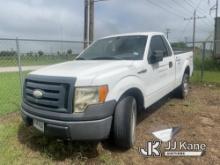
[[187, 70], [137, 94]]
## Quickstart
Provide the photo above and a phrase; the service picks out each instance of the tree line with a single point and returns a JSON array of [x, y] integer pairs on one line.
[[40, 53]]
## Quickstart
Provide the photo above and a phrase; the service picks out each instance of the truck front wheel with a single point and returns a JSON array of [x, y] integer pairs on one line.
[[125, 122]]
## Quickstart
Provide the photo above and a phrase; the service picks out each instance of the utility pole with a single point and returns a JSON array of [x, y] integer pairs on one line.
[[215, 7], [216, 17], [86, 23], [194, 31], [216, 26], [89, 14], [194, 18], [168, 32], [91, 26]]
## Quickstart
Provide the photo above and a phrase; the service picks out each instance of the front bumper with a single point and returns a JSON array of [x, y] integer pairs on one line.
[[80, 127]]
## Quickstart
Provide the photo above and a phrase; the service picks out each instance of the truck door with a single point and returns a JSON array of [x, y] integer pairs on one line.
[[163, 72], [169, 59]]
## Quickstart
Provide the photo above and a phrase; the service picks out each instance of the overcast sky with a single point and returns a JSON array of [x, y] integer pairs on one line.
[[64, 19]]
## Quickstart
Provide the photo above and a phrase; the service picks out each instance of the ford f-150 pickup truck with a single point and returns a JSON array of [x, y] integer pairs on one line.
[[103, 89]]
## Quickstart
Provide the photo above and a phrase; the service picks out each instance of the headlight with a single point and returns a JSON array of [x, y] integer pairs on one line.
[[85, 96]]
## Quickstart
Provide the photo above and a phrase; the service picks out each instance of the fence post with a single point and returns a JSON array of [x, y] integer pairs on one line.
[[203, 60], [19, 65]]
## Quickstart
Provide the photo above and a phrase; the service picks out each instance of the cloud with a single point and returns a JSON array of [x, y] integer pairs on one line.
[[56, 19], [19, 18], [132, 16]]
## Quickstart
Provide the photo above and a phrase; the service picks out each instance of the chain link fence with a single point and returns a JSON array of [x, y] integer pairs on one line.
[[20, 56], [206, 65]]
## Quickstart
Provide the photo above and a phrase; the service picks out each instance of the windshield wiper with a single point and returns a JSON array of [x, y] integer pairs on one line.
[[107, 58]]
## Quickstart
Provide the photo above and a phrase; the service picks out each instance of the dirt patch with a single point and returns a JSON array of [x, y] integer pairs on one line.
[[198, 117]]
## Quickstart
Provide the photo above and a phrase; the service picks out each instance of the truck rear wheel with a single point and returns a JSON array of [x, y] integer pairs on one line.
[[183, 89], [125, 122]]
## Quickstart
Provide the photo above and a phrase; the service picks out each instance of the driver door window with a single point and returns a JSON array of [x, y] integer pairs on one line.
[[157, 44]]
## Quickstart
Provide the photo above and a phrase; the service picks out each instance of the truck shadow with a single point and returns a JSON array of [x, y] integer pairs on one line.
[[54, 148], [153, 108], [80, 150]]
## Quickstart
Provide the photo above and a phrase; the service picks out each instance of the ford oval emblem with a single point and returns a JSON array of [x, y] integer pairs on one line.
[[38, 93]]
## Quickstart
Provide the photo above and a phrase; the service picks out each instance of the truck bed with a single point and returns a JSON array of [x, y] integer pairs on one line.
[[178, 52]]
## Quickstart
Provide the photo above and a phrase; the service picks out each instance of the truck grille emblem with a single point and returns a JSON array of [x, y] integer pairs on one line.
[[38, 93]]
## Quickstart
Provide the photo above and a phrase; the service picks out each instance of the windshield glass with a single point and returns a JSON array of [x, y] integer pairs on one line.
[[116, 48]]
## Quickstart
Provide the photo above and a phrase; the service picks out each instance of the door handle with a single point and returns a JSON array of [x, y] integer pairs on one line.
[[142, 71], [170, 64]]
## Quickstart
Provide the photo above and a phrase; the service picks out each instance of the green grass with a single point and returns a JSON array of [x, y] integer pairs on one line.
[[12, 150], [209, 77], [10, 95], [25, 145], [7, 152], [210, 64]]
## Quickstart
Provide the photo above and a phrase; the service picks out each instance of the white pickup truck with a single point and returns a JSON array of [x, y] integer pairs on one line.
[[101, 92]]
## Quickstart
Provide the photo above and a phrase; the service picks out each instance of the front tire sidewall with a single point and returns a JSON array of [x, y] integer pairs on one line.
[[125, 118], [133, 122]]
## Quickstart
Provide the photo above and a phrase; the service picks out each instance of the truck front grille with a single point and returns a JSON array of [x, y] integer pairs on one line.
[[55, 94]]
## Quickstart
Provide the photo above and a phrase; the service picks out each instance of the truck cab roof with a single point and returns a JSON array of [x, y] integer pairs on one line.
[[135, 34]]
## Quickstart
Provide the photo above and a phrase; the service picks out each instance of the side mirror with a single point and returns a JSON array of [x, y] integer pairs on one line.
[[156, 56]]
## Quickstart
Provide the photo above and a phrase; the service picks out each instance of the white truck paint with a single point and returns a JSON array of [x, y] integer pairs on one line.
[[120, 76], [142, 70]]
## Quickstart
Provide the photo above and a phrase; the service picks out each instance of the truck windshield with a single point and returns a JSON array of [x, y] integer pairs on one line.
[[116, 48]]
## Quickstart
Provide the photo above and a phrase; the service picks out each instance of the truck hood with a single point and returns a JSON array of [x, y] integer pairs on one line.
[[84, 71]]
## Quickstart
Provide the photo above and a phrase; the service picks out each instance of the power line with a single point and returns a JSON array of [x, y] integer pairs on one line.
[[174, 13], [190, 4], [198, 4], [197, 7], [194, 18], [184, 29], [215, 7], [199, 10], [183, 7], [162, 7], [174, 8]]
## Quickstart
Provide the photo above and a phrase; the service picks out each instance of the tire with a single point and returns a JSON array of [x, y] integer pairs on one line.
[[125, 118], [183, 89]]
